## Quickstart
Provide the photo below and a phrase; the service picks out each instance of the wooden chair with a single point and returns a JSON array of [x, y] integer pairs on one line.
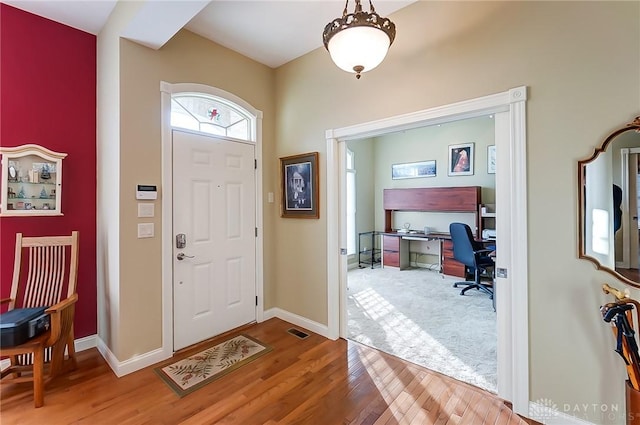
[[44, 274]]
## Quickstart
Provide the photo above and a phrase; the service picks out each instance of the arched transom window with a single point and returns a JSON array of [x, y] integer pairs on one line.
[[209, 114]]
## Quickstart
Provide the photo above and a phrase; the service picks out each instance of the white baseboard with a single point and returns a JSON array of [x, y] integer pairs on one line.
[[118, 367], [86, 342], [79, 344], [152, 357], [547, 413], [121, 368], [293, 318]]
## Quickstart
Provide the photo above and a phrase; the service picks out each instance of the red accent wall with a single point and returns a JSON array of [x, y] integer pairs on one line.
[[48, 97]]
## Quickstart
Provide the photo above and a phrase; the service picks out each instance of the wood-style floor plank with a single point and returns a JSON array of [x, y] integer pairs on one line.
[[313, 381]]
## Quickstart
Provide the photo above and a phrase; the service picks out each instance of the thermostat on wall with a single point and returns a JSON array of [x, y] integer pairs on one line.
[[146, 191]]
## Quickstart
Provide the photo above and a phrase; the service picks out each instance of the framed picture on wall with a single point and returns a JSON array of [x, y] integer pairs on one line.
[[299, 179], [413, 170], [491, 159], [461, 159]]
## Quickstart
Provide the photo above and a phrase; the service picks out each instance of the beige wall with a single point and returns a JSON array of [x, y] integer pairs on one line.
[[108, 168], [581, 63], [186, 58]]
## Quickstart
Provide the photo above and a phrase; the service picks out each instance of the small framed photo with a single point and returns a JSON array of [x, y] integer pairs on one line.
[[300, 187], [491, 159], [27, 205], [461, 159], [13, 174], [411, 170]]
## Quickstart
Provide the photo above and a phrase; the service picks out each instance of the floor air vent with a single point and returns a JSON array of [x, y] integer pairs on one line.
[[298, 333]]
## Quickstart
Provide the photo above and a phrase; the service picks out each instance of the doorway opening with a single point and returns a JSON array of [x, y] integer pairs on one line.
[[410, 308], [509, 109]]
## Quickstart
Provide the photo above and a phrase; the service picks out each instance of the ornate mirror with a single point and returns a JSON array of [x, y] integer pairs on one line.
[[609, 205]]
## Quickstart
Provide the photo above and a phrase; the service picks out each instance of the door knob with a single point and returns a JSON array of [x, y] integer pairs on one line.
[[181, 256]]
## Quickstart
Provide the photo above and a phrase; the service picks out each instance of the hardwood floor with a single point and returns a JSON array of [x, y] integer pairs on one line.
[[311, 381]]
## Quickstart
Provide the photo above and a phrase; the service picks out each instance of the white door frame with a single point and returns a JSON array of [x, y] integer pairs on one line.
[[166, 89], [511, 196], [626, 235]]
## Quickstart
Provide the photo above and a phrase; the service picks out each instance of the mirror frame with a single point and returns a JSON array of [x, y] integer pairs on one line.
[[632, 126]]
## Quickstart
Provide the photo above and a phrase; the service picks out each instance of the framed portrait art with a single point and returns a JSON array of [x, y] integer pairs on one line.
[[299, 177], [461, 159]]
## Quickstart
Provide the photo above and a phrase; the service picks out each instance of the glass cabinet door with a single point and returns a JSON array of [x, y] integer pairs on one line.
[[31, 181]]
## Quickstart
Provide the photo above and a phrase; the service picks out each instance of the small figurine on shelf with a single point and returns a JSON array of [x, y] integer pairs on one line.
[[44, 173], [52, 193], [43, 193], [21, 192], [10, 193]]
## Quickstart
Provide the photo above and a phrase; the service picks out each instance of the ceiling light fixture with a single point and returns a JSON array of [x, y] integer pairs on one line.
[[358, 41]]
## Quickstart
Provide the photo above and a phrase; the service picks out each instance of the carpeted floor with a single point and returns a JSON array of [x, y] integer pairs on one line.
[[418, 316]]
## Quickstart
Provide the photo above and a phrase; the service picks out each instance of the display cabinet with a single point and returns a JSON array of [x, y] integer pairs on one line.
[[31, 182]]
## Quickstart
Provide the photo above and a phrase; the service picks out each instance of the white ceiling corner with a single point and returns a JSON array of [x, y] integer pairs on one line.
[[272, 32], [157, 21]]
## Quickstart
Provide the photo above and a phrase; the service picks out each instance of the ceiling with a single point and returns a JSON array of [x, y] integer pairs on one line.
[[269, 31]]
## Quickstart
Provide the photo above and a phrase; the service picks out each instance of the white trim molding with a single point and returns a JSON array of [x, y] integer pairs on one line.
[[513, 322], [133, 364], [86, 342], [294, 319]]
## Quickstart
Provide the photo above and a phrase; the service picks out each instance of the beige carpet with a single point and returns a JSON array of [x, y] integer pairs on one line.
[[418, 316], [189, 374]]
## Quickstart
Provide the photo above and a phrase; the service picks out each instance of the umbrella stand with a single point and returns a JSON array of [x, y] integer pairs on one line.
[[632, 398], [626, 346]]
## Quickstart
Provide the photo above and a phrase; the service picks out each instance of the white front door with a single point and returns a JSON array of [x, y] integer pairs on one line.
[[214, 278]]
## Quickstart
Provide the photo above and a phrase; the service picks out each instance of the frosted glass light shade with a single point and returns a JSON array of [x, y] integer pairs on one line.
[[360, 46]]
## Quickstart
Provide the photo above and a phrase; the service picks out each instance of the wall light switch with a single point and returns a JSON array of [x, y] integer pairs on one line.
[[270, 197], [145, 230], [146, 209]]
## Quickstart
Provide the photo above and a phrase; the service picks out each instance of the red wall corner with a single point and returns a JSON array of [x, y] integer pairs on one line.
[[48, 97]]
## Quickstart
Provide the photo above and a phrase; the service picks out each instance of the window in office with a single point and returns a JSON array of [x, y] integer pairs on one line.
[[209, 114], [351, 204]]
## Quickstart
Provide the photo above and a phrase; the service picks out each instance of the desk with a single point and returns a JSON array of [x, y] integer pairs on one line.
[[465, 199], [427, 238], [395, 249]]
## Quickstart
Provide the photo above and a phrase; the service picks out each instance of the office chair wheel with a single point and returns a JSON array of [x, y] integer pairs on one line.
[[469, 287]]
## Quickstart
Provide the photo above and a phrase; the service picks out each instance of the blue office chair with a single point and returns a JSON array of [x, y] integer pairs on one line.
[[473, 255]]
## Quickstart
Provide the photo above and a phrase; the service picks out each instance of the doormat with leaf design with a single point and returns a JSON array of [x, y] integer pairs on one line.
[[198, 370]]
